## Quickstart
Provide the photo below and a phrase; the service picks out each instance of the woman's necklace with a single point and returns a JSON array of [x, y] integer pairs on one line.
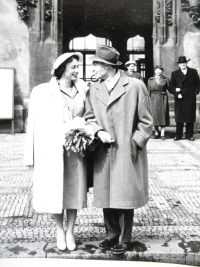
[[66, 90]]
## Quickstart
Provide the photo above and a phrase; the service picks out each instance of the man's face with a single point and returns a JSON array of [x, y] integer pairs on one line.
[[100, 70], [183, 66]]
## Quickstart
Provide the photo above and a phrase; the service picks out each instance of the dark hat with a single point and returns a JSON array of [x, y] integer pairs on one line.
[[106, 54], [182, 60], [159, 67]]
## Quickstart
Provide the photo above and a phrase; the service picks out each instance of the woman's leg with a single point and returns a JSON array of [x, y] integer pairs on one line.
[[162, 130], [71, 218], [156, 130], [61, 242]]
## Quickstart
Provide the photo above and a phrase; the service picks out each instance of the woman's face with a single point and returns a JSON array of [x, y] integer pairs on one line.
[[158, 71], [71, 70], [131, 67]]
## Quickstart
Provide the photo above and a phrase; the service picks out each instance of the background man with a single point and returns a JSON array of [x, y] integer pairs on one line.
[[121, 107], [184, 85]]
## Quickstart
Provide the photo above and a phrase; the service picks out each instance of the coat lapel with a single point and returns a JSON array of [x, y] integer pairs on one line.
[[118, 90], [55, 90], [102, 93]]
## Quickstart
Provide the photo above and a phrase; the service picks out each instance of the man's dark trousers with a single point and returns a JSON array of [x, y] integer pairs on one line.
[[189, 129], [118, 223]]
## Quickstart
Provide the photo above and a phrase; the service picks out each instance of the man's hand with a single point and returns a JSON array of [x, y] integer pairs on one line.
[[180, 96], [134, 151], [178, 89], [105, 137]]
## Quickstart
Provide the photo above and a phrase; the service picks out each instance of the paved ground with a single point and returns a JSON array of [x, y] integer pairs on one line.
[[165, 230]]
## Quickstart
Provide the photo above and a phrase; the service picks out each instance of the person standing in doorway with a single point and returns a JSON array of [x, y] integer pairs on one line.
[[122, 109], [184, 85], [157, 87], [131, 70]]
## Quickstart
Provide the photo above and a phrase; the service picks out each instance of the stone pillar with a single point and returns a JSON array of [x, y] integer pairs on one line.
[[45, 42]]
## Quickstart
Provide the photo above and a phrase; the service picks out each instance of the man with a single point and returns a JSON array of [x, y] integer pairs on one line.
[[184, 85], [121, 107], [131, 70]]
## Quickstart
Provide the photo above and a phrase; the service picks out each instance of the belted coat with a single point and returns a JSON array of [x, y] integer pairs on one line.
[[119, 181], [159, 100], [185, 108]]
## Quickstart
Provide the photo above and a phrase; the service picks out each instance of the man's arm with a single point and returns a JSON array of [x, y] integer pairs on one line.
[[90, 116], [144, 126]]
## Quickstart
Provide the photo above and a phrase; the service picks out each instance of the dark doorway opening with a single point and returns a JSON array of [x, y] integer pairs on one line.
[[115, 20]]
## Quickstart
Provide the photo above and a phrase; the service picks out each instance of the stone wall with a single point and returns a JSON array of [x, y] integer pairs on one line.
[[14, 53], [180, 38]]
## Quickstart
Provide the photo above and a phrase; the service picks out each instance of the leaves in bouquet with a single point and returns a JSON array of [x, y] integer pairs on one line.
[[78, 141]]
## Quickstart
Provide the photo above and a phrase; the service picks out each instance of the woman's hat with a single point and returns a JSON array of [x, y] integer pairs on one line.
[[159, 67], [130, 62], [64, 57], [106, 54], [182, 60]]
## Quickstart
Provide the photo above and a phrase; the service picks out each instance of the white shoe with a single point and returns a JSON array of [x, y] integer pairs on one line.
[[71, 245], [61, 242]]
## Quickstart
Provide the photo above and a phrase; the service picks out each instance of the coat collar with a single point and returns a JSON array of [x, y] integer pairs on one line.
[[103, 95], [55, 90], [162, 78], [188, 74]]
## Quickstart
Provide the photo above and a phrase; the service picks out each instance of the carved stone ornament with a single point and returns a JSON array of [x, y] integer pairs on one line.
[[48, 10], [193, 9], [22, 7], [168, 8]]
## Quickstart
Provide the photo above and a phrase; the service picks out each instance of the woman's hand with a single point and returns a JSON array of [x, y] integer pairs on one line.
[[105, 137], [180, 96]]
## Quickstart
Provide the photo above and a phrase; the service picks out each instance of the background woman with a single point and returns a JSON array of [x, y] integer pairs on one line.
[[157, 86], [131, 70], [52, 106]]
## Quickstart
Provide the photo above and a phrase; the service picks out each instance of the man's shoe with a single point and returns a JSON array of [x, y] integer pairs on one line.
[[176, 138], [191, 138], [108, 244], [156, 136], [121, 248], [162, 138]]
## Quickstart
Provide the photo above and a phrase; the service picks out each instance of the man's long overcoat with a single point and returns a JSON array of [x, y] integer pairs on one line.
[[119, 181], [185, 108]]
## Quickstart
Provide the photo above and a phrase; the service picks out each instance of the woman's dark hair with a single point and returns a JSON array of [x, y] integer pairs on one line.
[[60, 70]]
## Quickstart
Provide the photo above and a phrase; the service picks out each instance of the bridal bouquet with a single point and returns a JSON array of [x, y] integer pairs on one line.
[[78, 136]]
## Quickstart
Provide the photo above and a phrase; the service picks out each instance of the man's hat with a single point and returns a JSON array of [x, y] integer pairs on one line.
[[130, 62], [64, 57], [106, 54], [182, 60]]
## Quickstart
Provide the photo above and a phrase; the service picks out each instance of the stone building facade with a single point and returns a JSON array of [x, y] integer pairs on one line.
[[35, 32]]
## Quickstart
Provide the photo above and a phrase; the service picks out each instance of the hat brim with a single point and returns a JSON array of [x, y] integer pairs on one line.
[[129, 63], [93, 58], [62, 58], [183, 61]]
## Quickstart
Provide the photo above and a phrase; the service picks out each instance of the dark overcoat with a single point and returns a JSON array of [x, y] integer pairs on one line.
[[134, 75], [185, 108], [159, 100], [119, 181]]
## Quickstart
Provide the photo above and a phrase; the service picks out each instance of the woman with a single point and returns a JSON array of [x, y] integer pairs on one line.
[[131, 70], [157, 86], [52, 106]]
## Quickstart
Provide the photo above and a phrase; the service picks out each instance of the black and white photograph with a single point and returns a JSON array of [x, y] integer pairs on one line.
[[100, 132]]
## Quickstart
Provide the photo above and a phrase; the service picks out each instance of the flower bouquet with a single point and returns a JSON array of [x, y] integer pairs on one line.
[[79, 136]]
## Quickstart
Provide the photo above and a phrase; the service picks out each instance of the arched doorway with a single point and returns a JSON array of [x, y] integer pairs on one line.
[[114, 20]]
